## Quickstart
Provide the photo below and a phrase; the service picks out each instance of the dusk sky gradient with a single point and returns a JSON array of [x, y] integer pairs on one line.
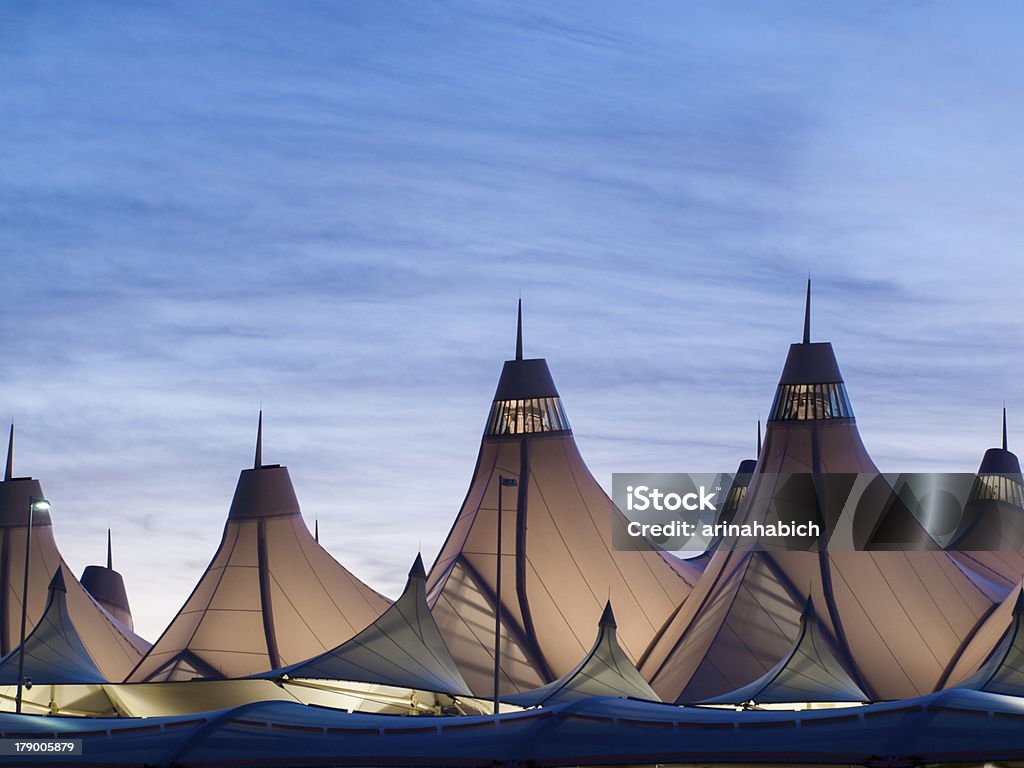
[[330, 210]]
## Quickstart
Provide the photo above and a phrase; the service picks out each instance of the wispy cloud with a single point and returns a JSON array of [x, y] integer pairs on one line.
[[330, 210]]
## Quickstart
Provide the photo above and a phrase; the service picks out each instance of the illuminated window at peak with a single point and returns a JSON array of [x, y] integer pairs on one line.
[[1006, 488], [803, 402], [526, 417]]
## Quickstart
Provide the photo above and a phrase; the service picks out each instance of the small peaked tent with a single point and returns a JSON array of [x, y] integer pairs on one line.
[[402, 648], [106, 586], [1003, 671], [897, 618], [809, 673], [605, 671], [993, 517], [558, 562], [54, 651], [993, 661], [111, 644], [270, 597]]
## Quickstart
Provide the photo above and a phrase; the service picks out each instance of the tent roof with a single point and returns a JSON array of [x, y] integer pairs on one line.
[[1003, 670], [810, 672], [54, 651], [403, 648], [559, 562], [270, 597], [604, 671]]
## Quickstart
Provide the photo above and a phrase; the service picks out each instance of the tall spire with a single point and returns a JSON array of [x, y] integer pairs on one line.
[[519, 333], [110, 559], [807, 314], [759, 438], [259, 444], [9, 472], [1004, 427], [316, 530]]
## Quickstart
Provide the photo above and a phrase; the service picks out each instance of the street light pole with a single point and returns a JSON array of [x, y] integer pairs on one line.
[[34, 505], [503, 482]]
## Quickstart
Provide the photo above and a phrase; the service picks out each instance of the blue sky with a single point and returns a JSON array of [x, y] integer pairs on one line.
[[330, 210]]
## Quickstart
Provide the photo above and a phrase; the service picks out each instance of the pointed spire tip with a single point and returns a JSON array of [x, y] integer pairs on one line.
[[519, 332], [110, 559], [9, 472], [258, 462], [807, 313], [1004, 428], [418, 571], [607, 617]]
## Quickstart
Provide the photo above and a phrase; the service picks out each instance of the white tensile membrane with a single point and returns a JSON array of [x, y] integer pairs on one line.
[[272, 596], [604, 671], [559, 567], [895, 618]]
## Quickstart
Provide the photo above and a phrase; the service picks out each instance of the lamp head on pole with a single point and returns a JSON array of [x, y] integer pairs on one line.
[[509, 482], [39, 505]]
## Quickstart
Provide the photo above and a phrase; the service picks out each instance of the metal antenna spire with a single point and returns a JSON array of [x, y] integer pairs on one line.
[[759, 438], [807, 313], [110, 559], [519, 333], [9, 472], [259, 444], [1004, 427]]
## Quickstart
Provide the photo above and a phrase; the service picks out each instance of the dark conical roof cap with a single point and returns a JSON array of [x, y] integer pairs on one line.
[[998, 461], [265, 491], [746, 467], [524, 379], [811, 364]]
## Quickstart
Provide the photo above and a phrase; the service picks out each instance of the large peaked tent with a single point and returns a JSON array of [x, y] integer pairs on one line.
[[558, 563], [604, 671], [402, 648], [112, 645], [271, 596], [895, 618]]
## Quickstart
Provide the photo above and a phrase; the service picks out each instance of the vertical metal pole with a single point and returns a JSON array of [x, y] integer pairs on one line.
[[497, 603], [24, 606]]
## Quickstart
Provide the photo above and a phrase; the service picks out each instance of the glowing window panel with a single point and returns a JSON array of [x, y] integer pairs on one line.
[[804, 402], [526, 417], [1006, 488]]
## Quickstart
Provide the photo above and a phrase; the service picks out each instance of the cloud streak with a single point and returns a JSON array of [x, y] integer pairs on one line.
[[331, 210]]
